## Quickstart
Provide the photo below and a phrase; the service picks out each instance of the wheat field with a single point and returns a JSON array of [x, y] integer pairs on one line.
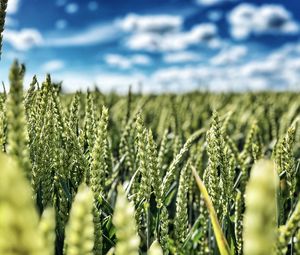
[[196, 173]]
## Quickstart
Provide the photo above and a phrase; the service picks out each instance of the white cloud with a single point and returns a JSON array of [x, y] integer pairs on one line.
[[280, 70], [213, 2], [140, 59], [13, 6], [71, 8], [275, 18], [287, 51], [181, 78], [205, 34], [247, 19], [28, 38], [157, 33], [94, 35], [181, 57], [106, 82], [126, 62], [259, 68], [188, 78], [74, 81], [119, 83], [241, 19], [151, 23], [144, 41], [24, 39], [118, 61], [230, 55], [53, 65]]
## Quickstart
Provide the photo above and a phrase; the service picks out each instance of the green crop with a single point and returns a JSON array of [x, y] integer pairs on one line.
[[111, 174]]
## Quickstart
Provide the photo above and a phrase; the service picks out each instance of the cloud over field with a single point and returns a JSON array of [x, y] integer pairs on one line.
[[53, 65], [151, 23], [93, 35], [126, 62], [24, 39], [279, 70], [230, 55], [181, 57], [247, 19], [205, 34], [28, 38]]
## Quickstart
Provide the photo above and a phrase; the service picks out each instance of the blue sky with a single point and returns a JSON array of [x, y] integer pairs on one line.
[[165, 45]]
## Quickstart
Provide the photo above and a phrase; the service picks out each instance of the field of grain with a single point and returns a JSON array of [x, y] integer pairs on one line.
[[196, 173]]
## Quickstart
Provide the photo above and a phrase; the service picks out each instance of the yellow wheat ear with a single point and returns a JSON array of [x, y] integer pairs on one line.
[[128, 240], [261, 206], [19, 232], [47, 230], [80, 229], [155, 249]]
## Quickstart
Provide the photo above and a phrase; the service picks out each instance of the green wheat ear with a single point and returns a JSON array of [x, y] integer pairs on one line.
[[285, 159], [287, 231], [238, 221], [128, 240], [80, 229], [19, 233], [170, 174], [260, 217], [143, 160], [99, 157], [181, 216], [16, 121], [3, 7]]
